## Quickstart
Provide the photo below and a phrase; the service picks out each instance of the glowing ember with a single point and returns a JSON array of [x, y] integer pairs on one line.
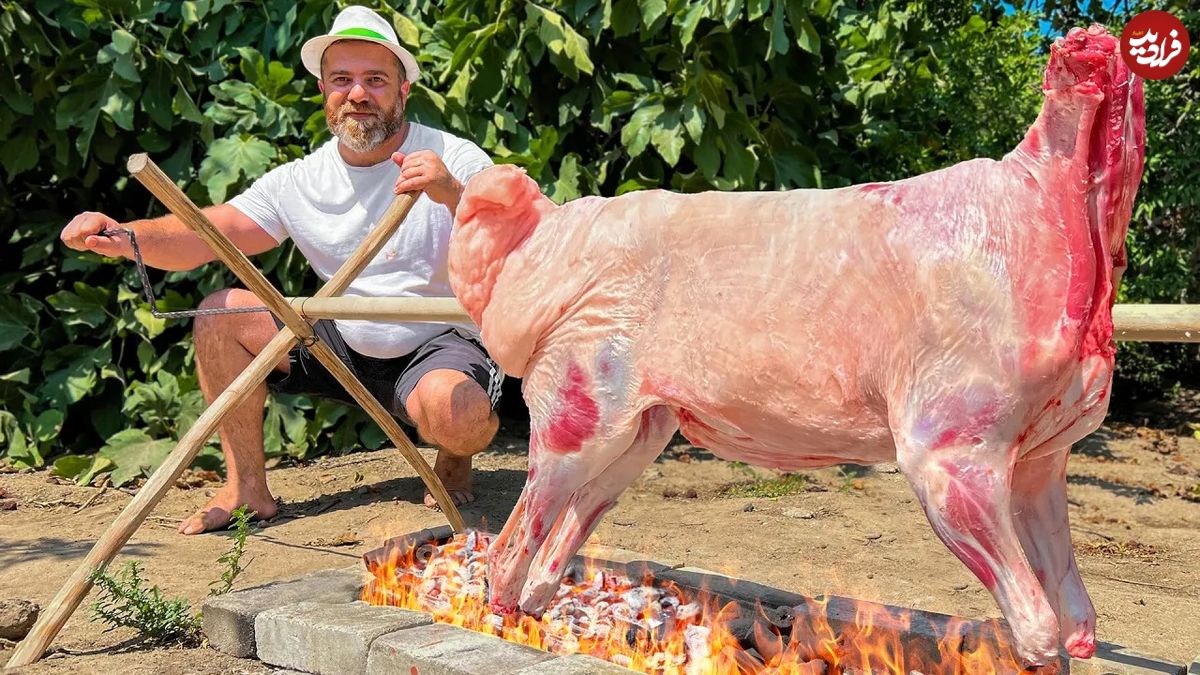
[[664, 629]]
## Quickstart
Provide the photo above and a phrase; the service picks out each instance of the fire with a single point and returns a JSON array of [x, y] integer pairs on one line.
[[657, 627]]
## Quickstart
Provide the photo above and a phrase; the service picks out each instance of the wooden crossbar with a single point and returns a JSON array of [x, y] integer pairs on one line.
[[1131, 322]]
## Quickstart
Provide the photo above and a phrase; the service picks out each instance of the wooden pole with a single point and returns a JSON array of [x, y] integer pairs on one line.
[[1131, 322], [67, 600], [439, 310], [51, 620], [1156, 323]]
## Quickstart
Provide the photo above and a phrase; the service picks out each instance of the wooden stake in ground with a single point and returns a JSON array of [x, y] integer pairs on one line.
[[60, 608]]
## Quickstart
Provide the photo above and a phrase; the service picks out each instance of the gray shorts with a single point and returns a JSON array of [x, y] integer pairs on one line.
[[390, 381]]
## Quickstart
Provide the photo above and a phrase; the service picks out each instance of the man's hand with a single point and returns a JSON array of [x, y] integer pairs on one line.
[[424, 170], [83, 234]]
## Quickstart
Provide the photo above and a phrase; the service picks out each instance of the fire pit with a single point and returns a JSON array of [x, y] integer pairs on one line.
[[654, 619], [418, 604]]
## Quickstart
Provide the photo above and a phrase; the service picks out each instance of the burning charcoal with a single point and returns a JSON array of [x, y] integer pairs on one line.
[[635, 599], [742, 630], [665, 662], [562, 644], [695, 641], [688, 611], [573, 573], [814, 667], [780, 617], [747, 663], [664, 628], [622, 660], [624, 613], [436, 604], [472, 539], [423, 554]]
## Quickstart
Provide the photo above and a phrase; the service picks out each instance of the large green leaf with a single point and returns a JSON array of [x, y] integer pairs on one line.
[[135, 454], [81, 468], [20, 154], [85, 307], [231, 158], [18, 321], [568, 49], [70, 383], [652, 10]]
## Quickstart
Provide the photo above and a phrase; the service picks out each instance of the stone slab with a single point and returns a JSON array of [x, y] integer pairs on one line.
[[575, 664], [327, 639], [1195, 667], [228, 620], [442, 649]]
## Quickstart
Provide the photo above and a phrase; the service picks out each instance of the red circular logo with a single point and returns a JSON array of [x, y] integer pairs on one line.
[[1155, 44]]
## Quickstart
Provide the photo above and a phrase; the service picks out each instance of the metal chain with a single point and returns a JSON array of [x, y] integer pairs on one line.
[[148, 290]]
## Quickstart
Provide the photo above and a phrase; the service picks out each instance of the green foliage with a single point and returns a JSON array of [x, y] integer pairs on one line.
[[589, 96], [782, 486], [231, 560], [124, 602]]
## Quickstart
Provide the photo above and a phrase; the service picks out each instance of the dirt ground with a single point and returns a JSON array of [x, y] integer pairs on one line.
[[1134, 489]]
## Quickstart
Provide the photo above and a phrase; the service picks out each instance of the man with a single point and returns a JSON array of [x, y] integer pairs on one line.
[[436, 378]]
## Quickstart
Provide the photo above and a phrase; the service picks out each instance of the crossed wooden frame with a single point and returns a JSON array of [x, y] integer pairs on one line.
[[297, 328]]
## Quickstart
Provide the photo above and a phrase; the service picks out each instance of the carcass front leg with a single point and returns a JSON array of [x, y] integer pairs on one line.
[[590, 503], [1040, 513], [575, 434], [964, 485]]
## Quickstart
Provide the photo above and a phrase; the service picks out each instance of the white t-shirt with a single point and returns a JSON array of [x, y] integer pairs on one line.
[[328, 207]]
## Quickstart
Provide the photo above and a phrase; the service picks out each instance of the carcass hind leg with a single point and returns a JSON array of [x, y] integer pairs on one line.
[[590, 503], [965, 492], [1039, 511]]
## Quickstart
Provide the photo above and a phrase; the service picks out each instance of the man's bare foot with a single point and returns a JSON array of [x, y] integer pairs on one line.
[[455, 473], [216, 513]]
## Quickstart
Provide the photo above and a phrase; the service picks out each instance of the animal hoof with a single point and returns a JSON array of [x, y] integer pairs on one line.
[[1081, 646]]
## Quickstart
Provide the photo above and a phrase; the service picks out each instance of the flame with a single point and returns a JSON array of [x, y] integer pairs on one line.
[[700, 634]]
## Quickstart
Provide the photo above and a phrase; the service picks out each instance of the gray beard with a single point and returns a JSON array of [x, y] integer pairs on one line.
[[365, 136]]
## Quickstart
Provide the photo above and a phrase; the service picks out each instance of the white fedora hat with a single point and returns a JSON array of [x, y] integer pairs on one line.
[[358, 23]]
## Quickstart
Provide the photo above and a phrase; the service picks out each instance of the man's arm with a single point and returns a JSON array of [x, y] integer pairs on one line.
[[166, 243]]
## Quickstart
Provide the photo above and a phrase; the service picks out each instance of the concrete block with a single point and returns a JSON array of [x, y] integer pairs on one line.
[[327, 639], [228, 620], [442, 649], [575, 664], [1111, 659]]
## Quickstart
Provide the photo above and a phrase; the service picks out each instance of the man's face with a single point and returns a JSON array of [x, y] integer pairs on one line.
[[365, 93]]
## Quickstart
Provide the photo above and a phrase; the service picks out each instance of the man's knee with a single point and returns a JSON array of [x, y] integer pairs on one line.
[[453, 411], [220, 331], [224, 299], [207, 326]]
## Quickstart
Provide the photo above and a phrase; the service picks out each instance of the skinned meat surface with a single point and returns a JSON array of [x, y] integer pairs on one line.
[[956, 322]]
